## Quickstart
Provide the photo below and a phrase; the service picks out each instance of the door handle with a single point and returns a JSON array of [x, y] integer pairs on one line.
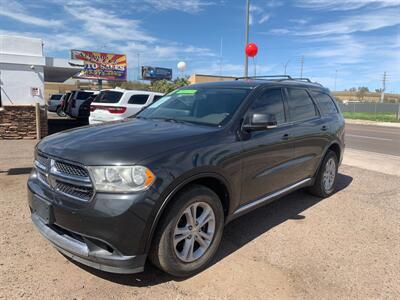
[[324, 128], [285, 136]]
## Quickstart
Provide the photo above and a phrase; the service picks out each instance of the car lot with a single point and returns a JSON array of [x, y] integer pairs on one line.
[[344, 246]]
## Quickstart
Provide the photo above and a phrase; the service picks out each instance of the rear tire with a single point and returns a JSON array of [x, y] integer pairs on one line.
[[325, 181], [60, 112], [189, 232]]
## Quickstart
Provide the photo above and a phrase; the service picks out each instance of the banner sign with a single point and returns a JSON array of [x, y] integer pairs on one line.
[[98, 65], [156, 73]]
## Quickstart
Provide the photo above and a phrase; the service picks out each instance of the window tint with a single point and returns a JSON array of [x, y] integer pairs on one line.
[[138, 99], [301, 107], [83, 95], [108, 97], [156, 98], [271, 103], [55, 97], [325, 103]]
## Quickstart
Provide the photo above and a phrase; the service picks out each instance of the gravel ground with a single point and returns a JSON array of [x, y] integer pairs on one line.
[[346, 246]]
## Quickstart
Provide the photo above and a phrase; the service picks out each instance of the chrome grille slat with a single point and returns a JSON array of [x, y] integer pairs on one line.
[[64, 178], [69, 169]]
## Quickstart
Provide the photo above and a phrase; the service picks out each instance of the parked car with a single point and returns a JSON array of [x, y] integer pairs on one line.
[[54, 102], [75, 101], [118, 104], [163, 185], [84, 109]]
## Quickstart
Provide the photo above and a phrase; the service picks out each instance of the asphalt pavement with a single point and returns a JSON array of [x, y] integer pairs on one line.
[[379, 139]]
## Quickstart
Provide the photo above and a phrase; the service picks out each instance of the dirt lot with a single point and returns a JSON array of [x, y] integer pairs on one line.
[[346, 246]]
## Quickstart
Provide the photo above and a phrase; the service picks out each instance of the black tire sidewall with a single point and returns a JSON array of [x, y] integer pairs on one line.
[[328, 156], [167, 257]]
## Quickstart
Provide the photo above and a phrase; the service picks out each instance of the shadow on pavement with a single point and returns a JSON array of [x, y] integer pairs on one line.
[[60, 124], [236, 234]]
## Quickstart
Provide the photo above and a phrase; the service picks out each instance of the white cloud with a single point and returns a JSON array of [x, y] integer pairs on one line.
[[345, 4], [108, 25], [17, 12], [188, 6], [264, 18], [355, 23]]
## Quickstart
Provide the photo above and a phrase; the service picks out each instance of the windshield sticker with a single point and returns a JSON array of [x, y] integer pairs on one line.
[[187, 92]]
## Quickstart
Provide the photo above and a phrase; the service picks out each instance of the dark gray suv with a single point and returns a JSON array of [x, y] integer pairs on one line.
[[163, 184]]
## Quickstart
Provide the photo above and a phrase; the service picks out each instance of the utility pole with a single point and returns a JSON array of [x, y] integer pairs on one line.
[[220, 58], [138, 55], [301, 68], [383, 86], [335, 80], [246, 59]]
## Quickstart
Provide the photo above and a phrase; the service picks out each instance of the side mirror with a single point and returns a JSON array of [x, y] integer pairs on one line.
[[256, 122]]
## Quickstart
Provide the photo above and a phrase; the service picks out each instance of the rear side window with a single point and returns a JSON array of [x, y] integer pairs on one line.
[[83, 95], [271, 103], [108, 97], [138, 99], [301, 107], [325, 103], [56, 97], [156, 98]]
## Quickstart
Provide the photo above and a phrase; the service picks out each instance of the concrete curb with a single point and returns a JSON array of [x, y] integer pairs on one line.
[[375, 123]]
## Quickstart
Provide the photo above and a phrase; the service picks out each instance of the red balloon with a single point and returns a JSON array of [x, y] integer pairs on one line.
[[251, 50]]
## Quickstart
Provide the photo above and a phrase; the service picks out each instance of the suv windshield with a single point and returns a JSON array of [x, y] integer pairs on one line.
[[210, 106], [108, 97]]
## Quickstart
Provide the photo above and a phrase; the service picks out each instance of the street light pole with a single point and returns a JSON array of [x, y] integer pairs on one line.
[[246, 59], [285, 66]]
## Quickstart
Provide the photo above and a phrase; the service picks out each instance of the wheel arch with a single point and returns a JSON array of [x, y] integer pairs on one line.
[[213, 181]]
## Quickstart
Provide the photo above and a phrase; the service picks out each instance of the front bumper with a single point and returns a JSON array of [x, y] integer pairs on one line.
[[93, 256], [108, 233]]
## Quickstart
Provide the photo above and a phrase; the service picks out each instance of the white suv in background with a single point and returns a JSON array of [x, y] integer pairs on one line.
[[118, 104]]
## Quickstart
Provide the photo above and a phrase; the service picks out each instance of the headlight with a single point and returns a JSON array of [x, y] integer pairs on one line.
[[121, 178]]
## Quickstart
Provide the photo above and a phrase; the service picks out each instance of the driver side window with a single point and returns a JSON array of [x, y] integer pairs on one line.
[[270, 103]]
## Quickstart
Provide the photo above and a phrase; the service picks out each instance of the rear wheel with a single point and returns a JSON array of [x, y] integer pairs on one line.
[[60, 112], [189, 233], [325, 182]]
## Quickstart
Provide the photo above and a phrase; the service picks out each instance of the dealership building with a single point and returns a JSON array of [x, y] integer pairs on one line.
[[23, 72]]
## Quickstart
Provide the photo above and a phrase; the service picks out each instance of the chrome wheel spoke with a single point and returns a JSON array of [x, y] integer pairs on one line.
[[195, 233], [329, 174]]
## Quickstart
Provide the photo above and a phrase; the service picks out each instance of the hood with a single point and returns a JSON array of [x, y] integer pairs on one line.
[[124, 143]]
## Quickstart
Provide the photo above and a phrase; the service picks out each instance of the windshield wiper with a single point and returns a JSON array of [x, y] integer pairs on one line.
[[173, 120]]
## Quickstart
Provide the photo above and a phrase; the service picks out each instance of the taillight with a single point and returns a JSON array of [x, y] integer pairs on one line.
[[92, 108], [116, 110]]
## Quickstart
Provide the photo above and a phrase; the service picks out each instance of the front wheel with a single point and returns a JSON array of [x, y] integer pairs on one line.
[[189, 233], [325, 181]]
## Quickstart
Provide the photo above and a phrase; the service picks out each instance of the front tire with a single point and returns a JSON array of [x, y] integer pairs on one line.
[[325, 181], [189, 232]]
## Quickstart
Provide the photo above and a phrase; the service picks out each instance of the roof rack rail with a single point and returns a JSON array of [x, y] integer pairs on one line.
[[266, 76], [302, 79]]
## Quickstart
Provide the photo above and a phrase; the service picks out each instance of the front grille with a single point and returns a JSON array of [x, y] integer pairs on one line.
[[80, 192], [43, 160], [69, 169], [65, 178]]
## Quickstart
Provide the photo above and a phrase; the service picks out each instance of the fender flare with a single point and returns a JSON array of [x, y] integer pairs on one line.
[[167, 199]]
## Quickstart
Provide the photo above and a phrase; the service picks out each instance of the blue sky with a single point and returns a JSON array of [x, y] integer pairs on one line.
[[358, 38]]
